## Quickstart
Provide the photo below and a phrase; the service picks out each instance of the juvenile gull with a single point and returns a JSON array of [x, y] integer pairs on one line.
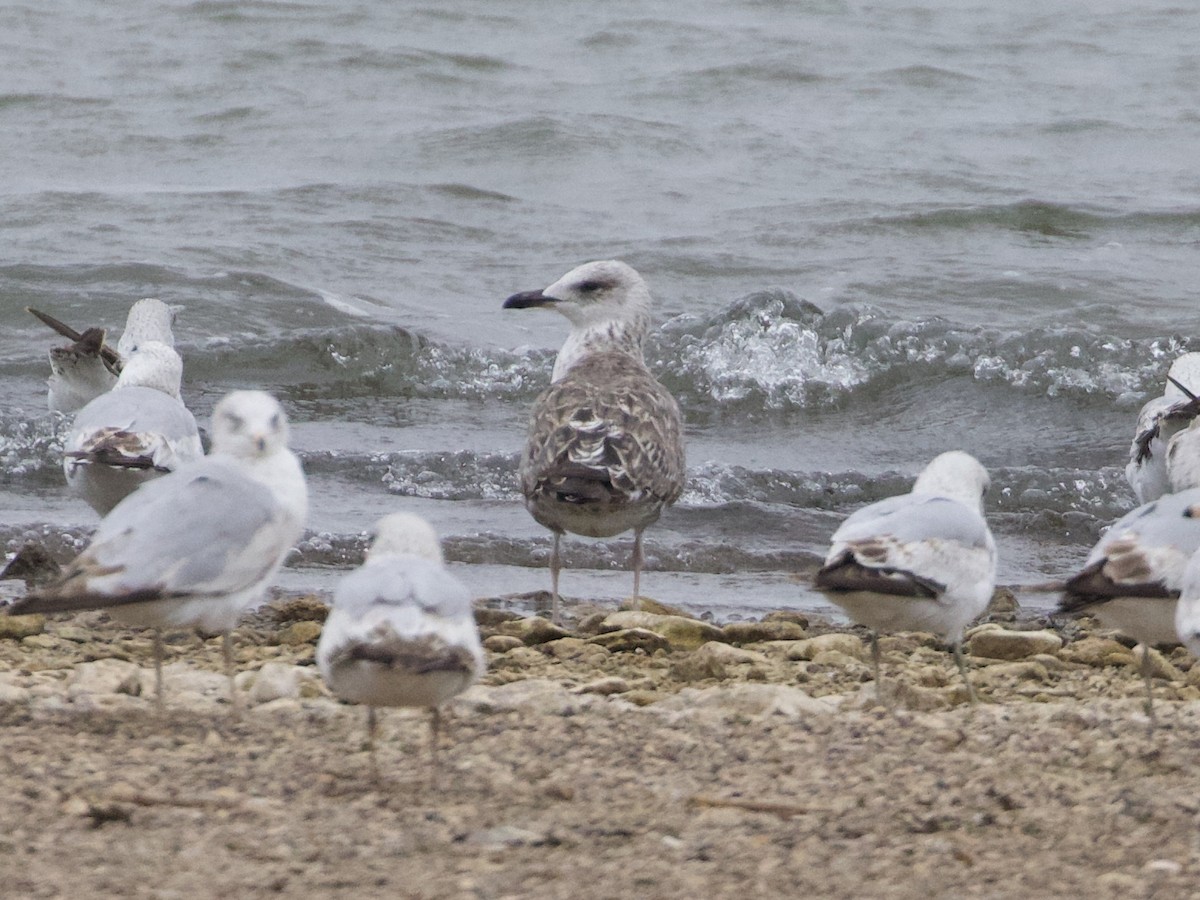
[[401, 631], [1133, 576], [135, 432], [604, 452], [198, 546], [922, 561], [88, 367], [1160, 419]]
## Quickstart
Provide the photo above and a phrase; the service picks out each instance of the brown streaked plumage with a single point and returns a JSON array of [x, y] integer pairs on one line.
[[604, 452]]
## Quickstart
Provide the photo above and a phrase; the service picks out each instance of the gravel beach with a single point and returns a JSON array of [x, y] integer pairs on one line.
[[631, 754]]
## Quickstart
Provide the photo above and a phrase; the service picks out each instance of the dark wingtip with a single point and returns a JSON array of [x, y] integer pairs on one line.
[[527, 300]]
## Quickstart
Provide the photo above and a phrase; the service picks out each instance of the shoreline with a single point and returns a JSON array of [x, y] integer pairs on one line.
[[664, 760]]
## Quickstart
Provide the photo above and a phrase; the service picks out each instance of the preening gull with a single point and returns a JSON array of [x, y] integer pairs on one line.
[[198, 546], [401, 630], [922, 561], [88, 367], [1133, 576], [605, 447], [137, 431], [1160, 419]]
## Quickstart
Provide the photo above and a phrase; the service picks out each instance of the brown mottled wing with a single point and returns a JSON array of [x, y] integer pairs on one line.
[[1094, 585], [606, 432], [419, 655], [846, 573]]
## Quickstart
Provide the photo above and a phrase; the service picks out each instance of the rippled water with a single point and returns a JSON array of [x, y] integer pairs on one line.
[[872, 234]]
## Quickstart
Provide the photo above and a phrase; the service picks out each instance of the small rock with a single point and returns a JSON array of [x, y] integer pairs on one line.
[[710, 660], [275, 681], [649, 605], [839, 641], [1003, 606], [839, 660], [1163, 866], [1097, 651], [680, 632], [504, 836], [574, 648], [535, 694], [787, 615], [1022, 670], [39, 641], [1000, 643], [629, 640], [299, 633], [493, 618], [766, 630], [502, 643], [535, 630], [102, 676], [614, 684], [11, 693], [1160, 666], [16, 628]]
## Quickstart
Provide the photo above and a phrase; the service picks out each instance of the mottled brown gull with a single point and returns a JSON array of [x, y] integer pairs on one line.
[[605, 447], [921, 561]]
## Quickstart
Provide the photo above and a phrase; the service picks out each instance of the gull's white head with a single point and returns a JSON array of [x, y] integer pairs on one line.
[[1183, 458], [606, 301], [956, 475], [1185, 371], [154, 365], [405, 534], [249, 424], [148, 320], [593, 294]]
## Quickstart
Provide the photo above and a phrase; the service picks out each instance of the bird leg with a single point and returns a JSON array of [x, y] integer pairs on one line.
[[227, 653], [956, 648], [158, 667], [555, 567], [1148, 678], [435, 729], [877, 666], [372, 728], [637, 570]]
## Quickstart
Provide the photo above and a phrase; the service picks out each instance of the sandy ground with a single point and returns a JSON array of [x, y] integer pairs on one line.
[[757, 764]]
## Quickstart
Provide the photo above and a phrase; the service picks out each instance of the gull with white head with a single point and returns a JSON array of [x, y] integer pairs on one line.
[[198, 546], [133, 433], [921, 561], [1133, 577], [1159, 420], [88, 367], [401, 630], [604, 452]]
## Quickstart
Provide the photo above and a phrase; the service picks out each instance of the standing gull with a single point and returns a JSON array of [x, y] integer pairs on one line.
[[198, 546], [1160, 419], [89, 367], [135, 432], [401, 631], [1133, 576], [922, 561], [605, 447], [1187, 610]]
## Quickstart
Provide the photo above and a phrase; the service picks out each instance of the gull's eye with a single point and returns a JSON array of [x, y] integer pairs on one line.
[[275, 422], [590, 286], [235, 421]]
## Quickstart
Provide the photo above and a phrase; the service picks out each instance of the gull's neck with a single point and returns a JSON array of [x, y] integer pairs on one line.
[[611, 335], [280, 472]]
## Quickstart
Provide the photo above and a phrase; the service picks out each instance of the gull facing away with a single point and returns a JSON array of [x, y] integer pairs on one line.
[[1159, 420], [1133, 576], [133, 433], [921, 561], [604, 452], [198, 546], [401, 630], [89, 367]]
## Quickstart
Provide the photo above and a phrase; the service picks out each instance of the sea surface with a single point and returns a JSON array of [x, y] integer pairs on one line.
[[873, 231]]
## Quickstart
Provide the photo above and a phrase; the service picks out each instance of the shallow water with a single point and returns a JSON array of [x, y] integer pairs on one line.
[[872, 234]]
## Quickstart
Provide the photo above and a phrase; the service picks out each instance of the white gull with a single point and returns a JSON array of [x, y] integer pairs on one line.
[[1161, 418]]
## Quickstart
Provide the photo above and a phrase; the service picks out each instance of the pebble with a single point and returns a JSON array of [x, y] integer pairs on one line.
[[767, 630], [1097, 651], [1163, 867], [753, 700], [502, 643], [15, 628], [613, 684], [104, 676], [843, 643], [629, 640], [275, 681], [681, 633], [299, 633], [1001, 643], [535, 630]]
